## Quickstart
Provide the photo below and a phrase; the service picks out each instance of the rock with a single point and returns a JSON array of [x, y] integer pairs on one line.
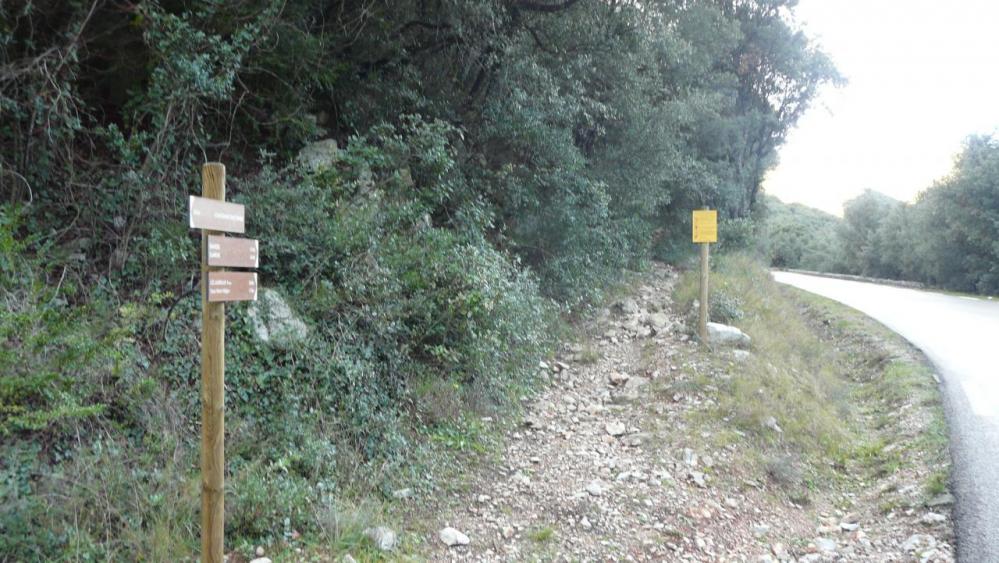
[[848, 527], [383, 538], [919, 542], [318, 155], [635, 440], [585, 523], [761, 530], [689, 457], [698, 478], [725, 335], [259, 551], [826, 545], [615, 428], [632, 390], [933, 518], [617, 378], [507, 532], [741, 356], [771, 423], [521, 479], [595, 488], [274, 322], [402, 493], [533, 422], [451, 537], [850, 518], [946, 499], [627, 306], [348, 559], [483, 499], [780, 550], [658, 321], [261, 560]]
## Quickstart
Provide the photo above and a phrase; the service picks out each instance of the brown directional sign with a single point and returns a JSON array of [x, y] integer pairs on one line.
[[217, 215], [232, 286], [231, 252]]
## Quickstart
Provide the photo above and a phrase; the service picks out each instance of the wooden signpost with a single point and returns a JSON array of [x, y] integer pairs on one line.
[[705, 227], [233, 252], [213, 215]]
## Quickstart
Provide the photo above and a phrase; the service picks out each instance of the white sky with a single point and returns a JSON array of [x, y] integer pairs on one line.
[[923, 75]]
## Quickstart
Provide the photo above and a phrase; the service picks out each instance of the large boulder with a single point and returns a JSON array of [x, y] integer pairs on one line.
[[274, 322], [318, 155], [725, 335]]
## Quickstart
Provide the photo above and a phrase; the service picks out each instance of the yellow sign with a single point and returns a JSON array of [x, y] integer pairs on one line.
[[706, 225]]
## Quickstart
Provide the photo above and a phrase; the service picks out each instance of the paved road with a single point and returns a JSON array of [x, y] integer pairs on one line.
[[961, 336]]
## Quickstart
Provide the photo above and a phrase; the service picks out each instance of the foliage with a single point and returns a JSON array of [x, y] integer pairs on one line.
[[501, 161], [946, 238], [46, 346], [799, 237]]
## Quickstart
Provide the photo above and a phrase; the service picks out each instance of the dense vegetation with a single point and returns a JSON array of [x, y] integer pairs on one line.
[[500, 161], [948, 238]]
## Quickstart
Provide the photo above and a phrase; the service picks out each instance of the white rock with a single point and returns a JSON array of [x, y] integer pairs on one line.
[[725, 335], [689, 457], [698, 478], [932, 518], [274, 322], [615, 428], [826, 544], [627, 306], [317, 155], [261, 560], [595, 488], [618, 378], [521, 479], [585, 523], [451, 537], [402, 493], [919, 542], [771, 423], [761, 530], [259, 551], [383, 538]]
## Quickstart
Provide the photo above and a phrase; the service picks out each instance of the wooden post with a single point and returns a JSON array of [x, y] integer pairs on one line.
[[212, 390], [702, 322]]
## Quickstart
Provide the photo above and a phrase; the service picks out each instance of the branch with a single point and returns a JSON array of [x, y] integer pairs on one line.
[[543, 7]]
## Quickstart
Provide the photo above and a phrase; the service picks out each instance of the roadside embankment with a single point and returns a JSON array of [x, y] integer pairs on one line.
[[825, 441]]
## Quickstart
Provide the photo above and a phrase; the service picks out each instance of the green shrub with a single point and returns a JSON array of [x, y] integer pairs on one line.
[[46, 346]]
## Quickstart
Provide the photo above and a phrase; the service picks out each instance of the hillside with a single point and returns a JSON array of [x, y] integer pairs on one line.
[[437, 187]]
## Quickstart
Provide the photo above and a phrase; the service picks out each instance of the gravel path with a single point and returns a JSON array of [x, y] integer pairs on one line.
[[608, 467]]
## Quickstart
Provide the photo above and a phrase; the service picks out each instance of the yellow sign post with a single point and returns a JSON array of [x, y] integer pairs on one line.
[[705, 231], [705, 226]]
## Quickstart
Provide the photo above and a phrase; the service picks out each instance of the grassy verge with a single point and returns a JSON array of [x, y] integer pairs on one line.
[[827, 396]]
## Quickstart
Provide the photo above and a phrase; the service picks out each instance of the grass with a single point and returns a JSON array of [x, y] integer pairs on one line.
[[791, 375], [590, 354], [542, 535], [852, 398]]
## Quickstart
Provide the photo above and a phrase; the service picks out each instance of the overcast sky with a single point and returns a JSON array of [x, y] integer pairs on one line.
[[923, 75]]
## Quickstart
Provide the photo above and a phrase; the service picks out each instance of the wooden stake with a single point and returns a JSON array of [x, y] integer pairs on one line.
[[702, 322], [212, 390]]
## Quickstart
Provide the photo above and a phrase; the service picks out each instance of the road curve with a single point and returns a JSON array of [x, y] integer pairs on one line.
[[960, 335]]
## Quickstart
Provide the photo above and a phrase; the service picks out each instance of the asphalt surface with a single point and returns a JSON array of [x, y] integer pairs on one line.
[[960, 335]]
